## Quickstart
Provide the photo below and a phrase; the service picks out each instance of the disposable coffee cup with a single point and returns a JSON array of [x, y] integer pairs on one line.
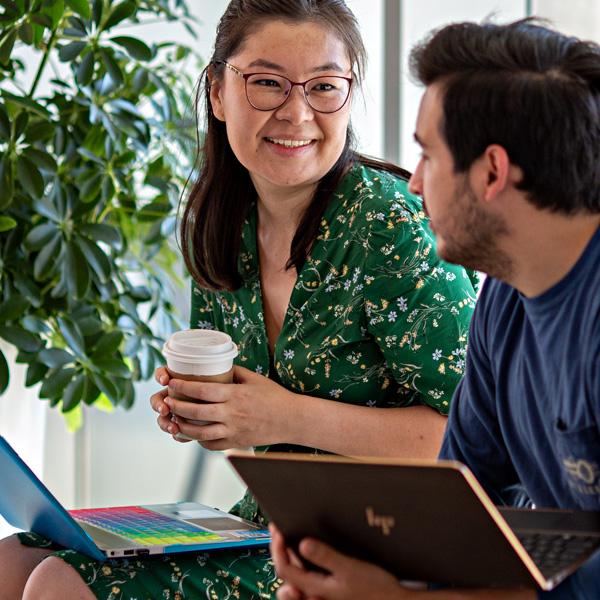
[[200, 355]]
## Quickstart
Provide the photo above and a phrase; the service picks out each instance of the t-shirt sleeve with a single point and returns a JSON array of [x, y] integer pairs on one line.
[[418, 308], [473, 434]]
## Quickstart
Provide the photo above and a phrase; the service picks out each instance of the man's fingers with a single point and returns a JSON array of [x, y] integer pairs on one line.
[[288, 592], [324, 556]]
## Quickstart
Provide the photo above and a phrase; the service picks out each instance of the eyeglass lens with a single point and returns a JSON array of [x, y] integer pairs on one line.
[[267, 91]]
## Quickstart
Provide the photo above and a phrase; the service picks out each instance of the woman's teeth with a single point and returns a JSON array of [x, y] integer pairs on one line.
[[289, 143]]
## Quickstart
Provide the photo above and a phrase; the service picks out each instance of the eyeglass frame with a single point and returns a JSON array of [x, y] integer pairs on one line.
[[302, 84]]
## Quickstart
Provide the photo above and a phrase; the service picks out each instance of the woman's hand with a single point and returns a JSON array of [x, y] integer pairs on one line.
[[252, 411], [157, 402]]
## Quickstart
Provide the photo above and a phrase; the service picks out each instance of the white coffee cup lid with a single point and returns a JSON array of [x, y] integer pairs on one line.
[[200, 345]]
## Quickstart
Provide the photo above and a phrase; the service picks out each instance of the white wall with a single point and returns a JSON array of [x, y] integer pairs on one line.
[[419, 17]]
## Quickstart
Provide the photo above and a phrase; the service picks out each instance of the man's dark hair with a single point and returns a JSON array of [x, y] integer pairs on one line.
[[530, 89]]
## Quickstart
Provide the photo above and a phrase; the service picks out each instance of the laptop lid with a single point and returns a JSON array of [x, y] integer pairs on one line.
[[27, 504], [422, 520]]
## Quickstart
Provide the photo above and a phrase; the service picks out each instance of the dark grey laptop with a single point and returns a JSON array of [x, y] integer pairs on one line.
[[117, 531], [422, 520]]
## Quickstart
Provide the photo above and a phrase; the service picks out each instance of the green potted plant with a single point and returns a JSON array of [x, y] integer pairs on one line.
[[92, 164]]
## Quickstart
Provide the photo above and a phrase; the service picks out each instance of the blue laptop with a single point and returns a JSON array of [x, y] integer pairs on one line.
[[103, 533]]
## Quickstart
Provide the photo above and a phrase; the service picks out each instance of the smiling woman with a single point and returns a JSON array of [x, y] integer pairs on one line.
[[318, 262]]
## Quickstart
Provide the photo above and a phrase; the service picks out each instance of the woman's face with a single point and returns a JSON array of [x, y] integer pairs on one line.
[[293, 145]]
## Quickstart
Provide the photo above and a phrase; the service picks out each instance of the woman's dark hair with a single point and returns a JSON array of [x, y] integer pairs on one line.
[[220, 198], [529, 89]]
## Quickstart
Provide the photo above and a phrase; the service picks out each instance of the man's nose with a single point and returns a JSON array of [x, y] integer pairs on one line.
[[415, 184]]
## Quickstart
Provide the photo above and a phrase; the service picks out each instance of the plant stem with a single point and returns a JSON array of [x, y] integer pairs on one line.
[[42, 66]]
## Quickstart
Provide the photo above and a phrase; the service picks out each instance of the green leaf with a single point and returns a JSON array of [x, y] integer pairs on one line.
[[72, 335], [74, 419], [41, 19], [85, 70], [55, 384], [4, 373], [108, 189], [91, 188], [29, 289], [106, 386], [81, 7], [26, 33], [7, 223], [112, 366], [35, 373], [35, 325], [12, 308], [95, 257], [30, 177], [7, 188], [21, 123], [45, 262], [41, 159], [112, 66], [119, 13], [22, 339], [4, 123], [135, 48], [6, 45], [140, 80], [26, 103], [38, 130], [97, 10], [76, 271], [108, 344], [40, 235], [55, 357], [71, 51], [105, 233], [55, 10], [104, 404], [73, 393], [47, 208]]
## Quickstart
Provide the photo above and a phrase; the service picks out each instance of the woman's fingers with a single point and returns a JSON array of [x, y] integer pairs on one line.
[[157, 402], [161, 375]]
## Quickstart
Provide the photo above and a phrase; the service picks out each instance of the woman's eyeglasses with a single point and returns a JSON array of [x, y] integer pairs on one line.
[[268, 91]]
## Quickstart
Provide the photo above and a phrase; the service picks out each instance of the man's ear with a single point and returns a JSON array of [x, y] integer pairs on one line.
[[497, 173], [215, 95]]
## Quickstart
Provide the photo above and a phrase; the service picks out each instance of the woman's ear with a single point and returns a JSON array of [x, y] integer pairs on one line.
[[215, 95]]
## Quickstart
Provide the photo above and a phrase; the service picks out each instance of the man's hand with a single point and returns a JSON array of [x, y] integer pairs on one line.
[[347, 578]]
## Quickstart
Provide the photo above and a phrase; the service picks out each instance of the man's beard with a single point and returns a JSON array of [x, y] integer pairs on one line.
[[474, 241]]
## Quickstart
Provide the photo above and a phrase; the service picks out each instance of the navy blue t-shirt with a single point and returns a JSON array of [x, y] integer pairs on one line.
[[527, 412]]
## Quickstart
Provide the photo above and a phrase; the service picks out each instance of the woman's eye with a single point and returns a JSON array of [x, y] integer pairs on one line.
[[266, 83], [323, 87]]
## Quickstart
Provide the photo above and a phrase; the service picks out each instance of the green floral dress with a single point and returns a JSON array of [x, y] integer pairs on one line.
[[375, 319]]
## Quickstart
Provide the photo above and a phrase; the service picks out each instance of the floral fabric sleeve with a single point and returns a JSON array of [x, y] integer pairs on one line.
[[418, 307]]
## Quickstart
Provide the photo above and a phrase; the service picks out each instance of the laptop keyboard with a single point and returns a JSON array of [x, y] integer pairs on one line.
[[554, 552], [144, 527]]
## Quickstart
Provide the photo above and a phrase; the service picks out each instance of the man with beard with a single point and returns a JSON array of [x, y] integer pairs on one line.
[[509, 125]]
